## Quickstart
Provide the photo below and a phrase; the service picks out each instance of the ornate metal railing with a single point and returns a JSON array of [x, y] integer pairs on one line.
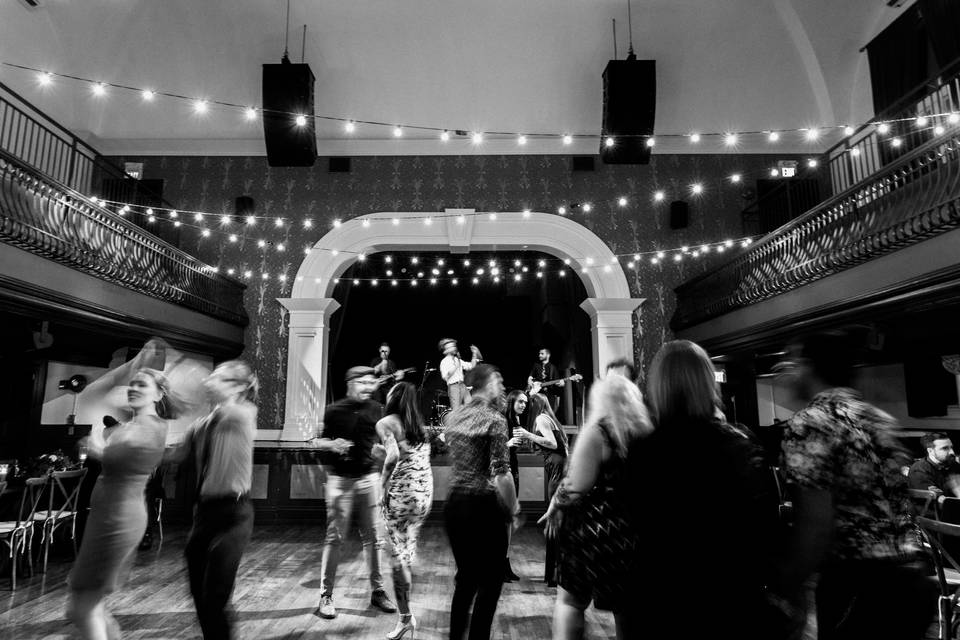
[[867, 151], [41, 215], [908, 201]]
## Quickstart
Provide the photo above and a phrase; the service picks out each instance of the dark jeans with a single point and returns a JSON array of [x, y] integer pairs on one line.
[[875, 600], [477, 530], [221, 531]]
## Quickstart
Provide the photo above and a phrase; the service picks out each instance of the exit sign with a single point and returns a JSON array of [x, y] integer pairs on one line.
[[720, 376]]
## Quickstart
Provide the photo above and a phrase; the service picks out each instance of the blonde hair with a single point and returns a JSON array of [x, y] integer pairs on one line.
[[243, 374], [618, 403], [681, 385], [170, 405]]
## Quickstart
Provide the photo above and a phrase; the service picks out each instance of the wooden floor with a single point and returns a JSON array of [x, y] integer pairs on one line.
[[278, 588]]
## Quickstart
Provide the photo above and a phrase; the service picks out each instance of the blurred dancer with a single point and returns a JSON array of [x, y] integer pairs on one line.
[[591, 511], [118, 515], [481, 501], [851, 508], [222, 447], [407, 492], [351, 452]]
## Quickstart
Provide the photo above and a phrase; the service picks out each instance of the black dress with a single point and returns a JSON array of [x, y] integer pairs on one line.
[[598, 538], [554, 466]]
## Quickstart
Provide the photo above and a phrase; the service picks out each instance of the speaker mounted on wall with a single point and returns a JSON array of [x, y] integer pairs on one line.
[[287, 93], [679, 214], [629, 107]]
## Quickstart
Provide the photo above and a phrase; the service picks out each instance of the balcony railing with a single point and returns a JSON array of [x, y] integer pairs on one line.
[[909, 200], [48, 218], [867, 151]]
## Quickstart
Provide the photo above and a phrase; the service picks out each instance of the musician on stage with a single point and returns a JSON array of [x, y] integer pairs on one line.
[[384, 366], [452, 368], [544, 371]]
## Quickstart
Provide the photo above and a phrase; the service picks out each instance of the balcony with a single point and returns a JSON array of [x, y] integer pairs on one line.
[[913, 198], [46, 176]]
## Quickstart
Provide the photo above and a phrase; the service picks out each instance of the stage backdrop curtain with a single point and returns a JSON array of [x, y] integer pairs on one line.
[[942, 21], [898, 60]]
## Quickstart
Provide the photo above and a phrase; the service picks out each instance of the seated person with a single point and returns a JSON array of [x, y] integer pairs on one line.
[[939, 471]]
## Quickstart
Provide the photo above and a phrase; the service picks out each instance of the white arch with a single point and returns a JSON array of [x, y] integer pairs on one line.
[[549, 233], [310, 306]]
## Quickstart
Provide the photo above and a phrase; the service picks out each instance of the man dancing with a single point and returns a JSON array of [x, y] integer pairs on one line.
[[452, 368], [351, 453]]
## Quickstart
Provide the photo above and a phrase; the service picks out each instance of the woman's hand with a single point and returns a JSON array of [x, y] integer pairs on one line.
[[514, 442], [551, 520]]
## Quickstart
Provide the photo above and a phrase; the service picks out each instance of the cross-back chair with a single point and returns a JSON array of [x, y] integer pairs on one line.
[[936, 534], [18, 534], [63, 495]]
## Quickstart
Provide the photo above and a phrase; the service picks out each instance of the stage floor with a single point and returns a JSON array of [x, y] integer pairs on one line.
[[278, 588]]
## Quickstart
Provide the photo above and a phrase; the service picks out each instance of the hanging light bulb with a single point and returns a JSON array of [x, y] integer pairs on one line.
[[349, 126], [812, 134], [99, 89], [397, 132], [848, 130], [477, 137], [773, 137], [148, 95], [659, 196], [609, 142], [250, 114], [735, 178], [200, 106], [567, 139], [445, 136], [883, 127], [300, 120], [622, 201], [730, 139], [651, 142], [694, 138], [922, 121]]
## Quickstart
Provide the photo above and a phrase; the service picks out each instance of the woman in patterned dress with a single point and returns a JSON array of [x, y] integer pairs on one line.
[[118, 515], [407, 491]]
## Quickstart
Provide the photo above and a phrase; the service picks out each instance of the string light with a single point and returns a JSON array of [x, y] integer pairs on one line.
[[622, 201], [201, 106], [609, 142]]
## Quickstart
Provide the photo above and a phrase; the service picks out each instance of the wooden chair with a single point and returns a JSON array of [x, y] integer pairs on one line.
[[935, 532], [63, 492], [18, 534]]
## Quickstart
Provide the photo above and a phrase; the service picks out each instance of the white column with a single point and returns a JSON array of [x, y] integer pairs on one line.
[[307, 357], [611, 329]]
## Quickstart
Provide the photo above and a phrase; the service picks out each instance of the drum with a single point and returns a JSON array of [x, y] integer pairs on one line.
[[442, 418], [439, 410]]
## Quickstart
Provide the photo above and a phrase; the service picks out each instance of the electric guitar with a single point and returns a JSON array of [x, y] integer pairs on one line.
[[537, 385], [393, 376]]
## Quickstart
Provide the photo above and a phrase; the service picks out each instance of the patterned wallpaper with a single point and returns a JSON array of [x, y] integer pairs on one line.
[[420, 183]]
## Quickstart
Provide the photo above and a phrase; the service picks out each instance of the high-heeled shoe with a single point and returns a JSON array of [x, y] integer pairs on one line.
[[400, 631]]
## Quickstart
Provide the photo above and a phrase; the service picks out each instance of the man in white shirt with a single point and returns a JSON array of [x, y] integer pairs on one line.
[[452, 368]]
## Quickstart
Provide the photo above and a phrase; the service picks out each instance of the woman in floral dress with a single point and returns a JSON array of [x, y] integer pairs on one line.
[[407, 491]]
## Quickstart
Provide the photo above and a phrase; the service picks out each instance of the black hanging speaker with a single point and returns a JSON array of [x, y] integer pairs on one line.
[[629, 106], [679, 214], [288, 92]]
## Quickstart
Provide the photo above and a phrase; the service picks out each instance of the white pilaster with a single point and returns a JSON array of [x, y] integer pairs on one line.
[[611, 329], [307, 358]]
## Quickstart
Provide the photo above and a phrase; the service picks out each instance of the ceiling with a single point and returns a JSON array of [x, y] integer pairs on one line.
[[483, 65]]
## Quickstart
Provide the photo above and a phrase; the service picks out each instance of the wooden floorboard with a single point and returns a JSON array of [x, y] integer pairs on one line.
[[277, 590]]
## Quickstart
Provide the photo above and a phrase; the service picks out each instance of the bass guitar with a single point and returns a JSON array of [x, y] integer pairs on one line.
[[537, 385]]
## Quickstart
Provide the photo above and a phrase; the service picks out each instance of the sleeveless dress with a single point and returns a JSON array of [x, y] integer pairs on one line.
[[598, 539], [409, 498], [118, 513]]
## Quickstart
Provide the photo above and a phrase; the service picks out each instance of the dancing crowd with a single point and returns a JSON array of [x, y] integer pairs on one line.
[[662, 511]]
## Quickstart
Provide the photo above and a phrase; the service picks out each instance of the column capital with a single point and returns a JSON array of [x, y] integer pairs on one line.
[[309, 312], [596, 307]]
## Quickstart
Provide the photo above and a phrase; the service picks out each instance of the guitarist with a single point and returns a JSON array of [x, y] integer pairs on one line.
[[384, 366], [543, 371]]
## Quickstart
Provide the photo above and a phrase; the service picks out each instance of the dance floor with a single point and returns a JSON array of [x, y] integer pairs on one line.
[[278, 588]]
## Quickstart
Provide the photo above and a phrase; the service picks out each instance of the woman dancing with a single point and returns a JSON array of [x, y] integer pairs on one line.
[[407, 492], [118, 515], [516, 413], [545, 433], [592, 511]]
